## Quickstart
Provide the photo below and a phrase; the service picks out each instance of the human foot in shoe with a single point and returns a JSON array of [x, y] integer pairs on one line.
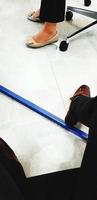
[[34, 16], [47, 36], [70, 118]]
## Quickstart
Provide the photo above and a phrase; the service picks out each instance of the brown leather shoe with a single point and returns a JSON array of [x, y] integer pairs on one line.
[[83, 90]]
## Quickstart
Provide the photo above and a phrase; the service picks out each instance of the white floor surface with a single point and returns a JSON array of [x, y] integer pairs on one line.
[[47, 77]]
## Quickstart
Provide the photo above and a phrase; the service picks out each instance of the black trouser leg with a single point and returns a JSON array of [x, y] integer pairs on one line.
[[87, 181], [8, 188], [83, 108], [52, 10], [53, 186]]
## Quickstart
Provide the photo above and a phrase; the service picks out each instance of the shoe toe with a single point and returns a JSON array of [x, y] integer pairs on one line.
[[29, 41], [32, 43]]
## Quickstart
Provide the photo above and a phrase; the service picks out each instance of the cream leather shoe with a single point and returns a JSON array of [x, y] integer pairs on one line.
[[32, 18], [33, 44]]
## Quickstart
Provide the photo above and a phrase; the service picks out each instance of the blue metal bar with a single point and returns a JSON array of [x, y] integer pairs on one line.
[[43, 112]]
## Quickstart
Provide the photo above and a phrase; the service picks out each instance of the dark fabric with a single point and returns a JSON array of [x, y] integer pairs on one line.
[[52, 10], [58, 185], [8, 187], [12, 166], [85, 109], [7, 151]]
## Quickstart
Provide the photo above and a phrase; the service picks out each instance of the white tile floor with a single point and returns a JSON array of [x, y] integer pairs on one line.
[[48, 78]]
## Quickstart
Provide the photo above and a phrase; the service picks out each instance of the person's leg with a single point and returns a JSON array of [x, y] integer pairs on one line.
[[81, 108], [56, 185], [84, 109], [8, 188], [86, 187], [51, 12], [48, 31], [12, 165]]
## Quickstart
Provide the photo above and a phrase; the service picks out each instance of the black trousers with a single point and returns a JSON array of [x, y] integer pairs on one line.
[[85, 109], [52, 10], [73, 184], [8, 187]]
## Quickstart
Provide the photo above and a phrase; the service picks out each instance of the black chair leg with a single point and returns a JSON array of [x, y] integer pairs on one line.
[[69, 14], [87, 2]]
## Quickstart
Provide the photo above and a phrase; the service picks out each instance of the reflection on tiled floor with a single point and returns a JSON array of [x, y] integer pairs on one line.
[[47, 77]]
